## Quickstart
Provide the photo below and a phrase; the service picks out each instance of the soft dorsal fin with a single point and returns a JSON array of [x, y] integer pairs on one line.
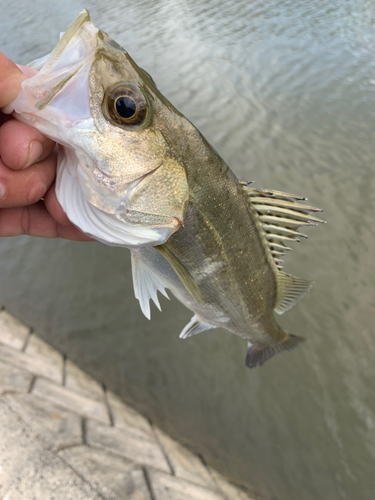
[[195, 326], [146, 285], [290, 290], [280, 217]]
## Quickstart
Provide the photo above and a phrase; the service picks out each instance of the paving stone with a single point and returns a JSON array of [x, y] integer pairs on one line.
[[166, 487], [126, 444], [80, 382], [37, 346], [30, 471], [185, 463], [59, 427], [126, 417], [13, 379], [75, 402], [114, 477], [12, 332], [37, 364], [228, 489], [33, 427]]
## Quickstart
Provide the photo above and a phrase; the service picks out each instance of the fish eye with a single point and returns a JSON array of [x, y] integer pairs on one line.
[[125, 105]]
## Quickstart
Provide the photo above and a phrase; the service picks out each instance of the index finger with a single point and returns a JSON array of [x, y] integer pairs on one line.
[[11, 78], [20, 144]]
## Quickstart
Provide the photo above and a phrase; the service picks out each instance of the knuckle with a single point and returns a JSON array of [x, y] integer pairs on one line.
[[25, 221], [36, 192]]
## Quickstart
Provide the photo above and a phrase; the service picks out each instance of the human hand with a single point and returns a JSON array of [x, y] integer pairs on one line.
[[27, 171]]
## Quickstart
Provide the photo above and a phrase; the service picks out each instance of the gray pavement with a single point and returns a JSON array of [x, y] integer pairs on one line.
[[62, 437]]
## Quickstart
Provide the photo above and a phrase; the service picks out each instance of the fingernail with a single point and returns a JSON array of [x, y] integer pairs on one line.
[[3, 191], [35, 152]]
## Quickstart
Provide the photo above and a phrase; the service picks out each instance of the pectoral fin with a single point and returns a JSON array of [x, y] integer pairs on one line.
[[194, 327], [181, 271]]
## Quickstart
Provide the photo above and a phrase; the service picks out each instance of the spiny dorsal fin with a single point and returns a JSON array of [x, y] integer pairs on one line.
[[290, 290], [146, 285], [194, 327], [280, 217]]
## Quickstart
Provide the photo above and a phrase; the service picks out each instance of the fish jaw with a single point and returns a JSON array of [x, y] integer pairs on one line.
[[107, 165], [64, 71]]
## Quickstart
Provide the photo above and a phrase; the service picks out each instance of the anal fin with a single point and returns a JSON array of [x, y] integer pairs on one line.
[[146, 285], [194, 327], [257, 357], [290, 290]]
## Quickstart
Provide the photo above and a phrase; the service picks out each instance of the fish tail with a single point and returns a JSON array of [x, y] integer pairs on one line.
[[256, 357]]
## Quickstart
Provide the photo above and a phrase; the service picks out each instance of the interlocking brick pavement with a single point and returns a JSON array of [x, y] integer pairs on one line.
[[62, 437]]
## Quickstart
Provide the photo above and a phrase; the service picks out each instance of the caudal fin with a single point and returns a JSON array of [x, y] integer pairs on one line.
[[256, 357]]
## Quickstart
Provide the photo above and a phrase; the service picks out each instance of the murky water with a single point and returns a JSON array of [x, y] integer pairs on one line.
[[285, 91]]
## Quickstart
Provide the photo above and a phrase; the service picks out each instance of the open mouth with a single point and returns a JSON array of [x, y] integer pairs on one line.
[[72, 53]]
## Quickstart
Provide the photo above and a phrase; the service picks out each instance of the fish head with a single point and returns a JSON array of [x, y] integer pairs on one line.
[[119, 179]]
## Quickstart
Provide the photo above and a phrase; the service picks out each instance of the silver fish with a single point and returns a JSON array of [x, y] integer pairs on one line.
[[134, 172]]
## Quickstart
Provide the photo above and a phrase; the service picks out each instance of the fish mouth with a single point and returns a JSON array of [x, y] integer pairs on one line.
[[82, 18], [76, 47]]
